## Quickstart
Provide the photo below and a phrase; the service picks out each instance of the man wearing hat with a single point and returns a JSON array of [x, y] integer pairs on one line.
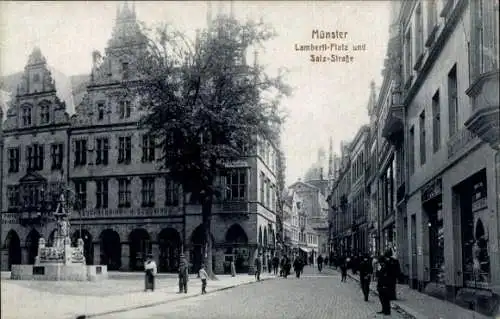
[[183, 274], [150, 273]]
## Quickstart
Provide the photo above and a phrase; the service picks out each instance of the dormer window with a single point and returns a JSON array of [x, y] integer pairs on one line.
[[44, 114], [26, 115]]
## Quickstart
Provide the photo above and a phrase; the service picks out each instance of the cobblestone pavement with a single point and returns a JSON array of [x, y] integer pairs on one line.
[[315, 296]]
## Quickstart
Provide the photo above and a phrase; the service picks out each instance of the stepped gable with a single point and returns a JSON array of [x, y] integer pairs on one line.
[[36, 90]]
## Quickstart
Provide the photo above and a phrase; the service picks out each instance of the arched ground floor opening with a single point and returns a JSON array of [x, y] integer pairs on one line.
[[13, 247], [32, 245], [169, 244], [111, 249], [140, 247]]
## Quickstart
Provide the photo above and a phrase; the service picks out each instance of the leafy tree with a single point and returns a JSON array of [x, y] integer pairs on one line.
[[206, 106]]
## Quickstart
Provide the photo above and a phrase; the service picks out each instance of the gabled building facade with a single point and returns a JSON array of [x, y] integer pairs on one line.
[[125, 206]]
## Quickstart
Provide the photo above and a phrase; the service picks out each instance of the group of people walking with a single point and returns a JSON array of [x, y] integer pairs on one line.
[[385, 269], [284, 265]]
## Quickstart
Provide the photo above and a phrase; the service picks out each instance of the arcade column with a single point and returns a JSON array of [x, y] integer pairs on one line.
[[97, 253], [125, 256]]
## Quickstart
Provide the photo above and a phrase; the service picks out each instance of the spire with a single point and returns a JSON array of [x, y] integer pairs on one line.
[[36, 57], [330, 158]]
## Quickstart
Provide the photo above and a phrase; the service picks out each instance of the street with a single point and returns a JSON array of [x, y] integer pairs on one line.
[[314, 296]]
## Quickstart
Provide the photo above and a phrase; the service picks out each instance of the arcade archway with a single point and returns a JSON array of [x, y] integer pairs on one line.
[[32, 245], [13, 246], [111, 249], [169, 242], [88, 246], [237, 248], [140, 247], [197, 243]]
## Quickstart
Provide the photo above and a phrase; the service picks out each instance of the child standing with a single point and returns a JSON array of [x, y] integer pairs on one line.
[[203, 276]]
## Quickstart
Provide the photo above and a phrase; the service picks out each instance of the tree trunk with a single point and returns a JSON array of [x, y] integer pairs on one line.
[[206, 211]]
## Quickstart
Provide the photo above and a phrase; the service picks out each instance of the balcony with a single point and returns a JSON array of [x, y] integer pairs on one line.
[[459, 141], [393, 125], [237, 207], [485, 118]]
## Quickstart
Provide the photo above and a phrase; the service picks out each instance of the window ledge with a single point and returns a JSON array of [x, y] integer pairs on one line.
[[418, 64], [479, 81]]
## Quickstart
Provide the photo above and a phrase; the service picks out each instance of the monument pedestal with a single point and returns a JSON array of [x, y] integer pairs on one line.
[[56, 272]]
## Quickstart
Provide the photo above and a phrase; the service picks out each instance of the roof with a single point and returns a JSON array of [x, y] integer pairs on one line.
[[303, 183]]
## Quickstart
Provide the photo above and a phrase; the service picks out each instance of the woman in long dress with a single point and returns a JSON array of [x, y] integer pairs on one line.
[[150, 273]]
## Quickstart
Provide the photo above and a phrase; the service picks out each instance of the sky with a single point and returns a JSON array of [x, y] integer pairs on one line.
[[329, 98]]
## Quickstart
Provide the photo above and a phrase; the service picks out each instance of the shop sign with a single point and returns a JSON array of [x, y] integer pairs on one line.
[[432, 190]]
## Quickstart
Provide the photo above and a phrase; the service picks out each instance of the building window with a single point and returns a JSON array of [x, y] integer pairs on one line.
[[125, 108], [408, 55], [13, 196], [420, 31], [34, 157], [101, 194], [56, 154], [44, 114], [148, 192], [13, 160], [411, 153], [26, 115], [453, 100], [80, 152], [148, 148], [123, 192], [262, 187], [422, 138], [485, 37], [81, 193], [236, 185], [171, 193], [436, 122], [100, 111], [102, 149], [124, 149], [125, 70]]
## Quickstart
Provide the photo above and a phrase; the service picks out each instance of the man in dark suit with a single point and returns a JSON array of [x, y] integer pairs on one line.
[[384, 284], [365, 273]]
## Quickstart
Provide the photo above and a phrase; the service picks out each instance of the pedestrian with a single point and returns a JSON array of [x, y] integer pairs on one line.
[[233, 269], [258, 267], [150, 273], [203, 276], [384, 285], [183, 274], [282, 267], [276, 262], [288, 266], [320, 263], [365, 273], [394, 270], [298, 266], [374, 265], [326, 261], [343, 268], [269, 264]]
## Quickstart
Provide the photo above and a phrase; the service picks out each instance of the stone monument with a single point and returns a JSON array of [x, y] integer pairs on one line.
[[61, 261]]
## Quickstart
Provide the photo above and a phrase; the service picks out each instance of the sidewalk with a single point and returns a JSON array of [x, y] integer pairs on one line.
[[39, 299], [416, 305]]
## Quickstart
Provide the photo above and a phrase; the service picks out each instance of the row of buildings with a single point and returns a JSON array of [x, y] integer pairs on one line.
[[423, 177], [125, 206]]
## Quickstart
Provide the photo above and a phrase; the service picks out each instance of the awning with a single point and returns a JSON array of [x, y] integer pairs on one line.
[[306, 250]]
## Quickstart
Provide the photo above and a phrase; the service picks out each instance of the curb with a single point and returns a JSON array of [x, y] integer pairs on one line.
[[158, 303], [404, 310]]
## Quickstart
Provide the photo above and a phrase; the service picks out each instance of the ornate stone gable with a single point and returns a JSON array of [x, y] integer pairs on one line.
[[36, 103]]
